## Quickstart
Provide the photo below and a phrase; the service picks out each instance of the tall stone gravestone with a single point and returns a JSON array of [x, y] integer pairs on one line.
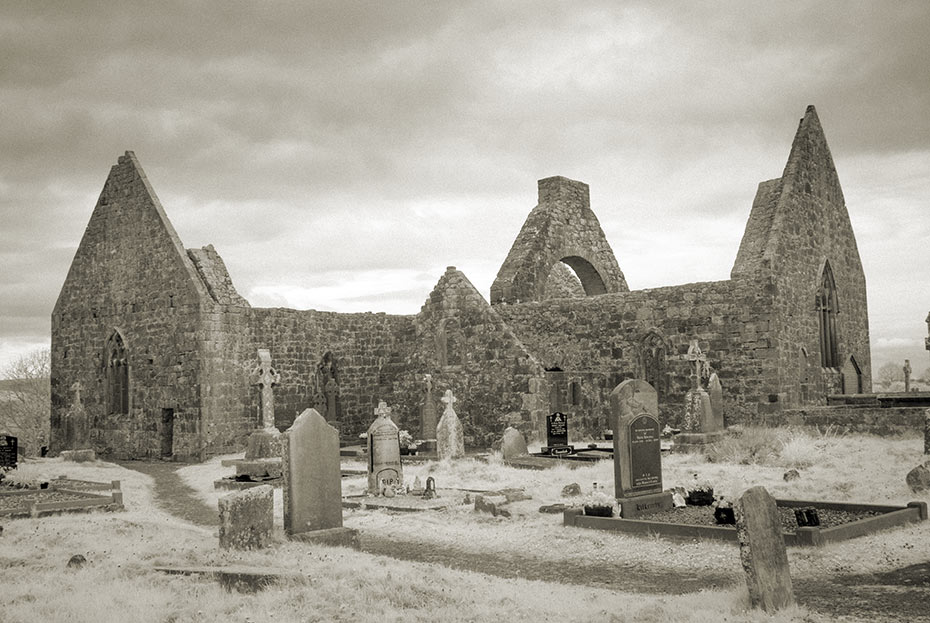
[[762, 551], [313, 481], [428, 412], [634, 412], [264, 443], [8, 448], [75, 421], [701, 424], [384, 468], [557, 434], [450, 437], [715, 390]]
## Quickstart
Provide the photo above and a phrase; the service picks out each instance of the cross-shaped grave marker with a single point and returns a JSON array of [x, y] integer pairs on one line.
[[267, 377], [383, 410]]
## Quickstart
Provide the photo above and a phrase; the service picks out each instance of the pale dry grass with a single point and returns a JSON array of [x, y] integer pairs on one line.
[[119, 585]]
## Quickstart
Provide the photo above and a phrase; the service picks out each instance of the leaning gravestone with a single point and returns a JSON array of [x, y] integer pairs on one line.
[[8, 447], [384, 467], [634, 412], [313, 482], [762, 551], [450, 438]]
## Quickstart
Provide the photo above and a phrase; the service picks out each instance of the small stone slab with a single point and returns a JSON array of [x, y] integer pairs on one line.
[[513, 444], [762, 551], [334, 537], [643, 505], [247, 518], [241, 578], [446, 498]]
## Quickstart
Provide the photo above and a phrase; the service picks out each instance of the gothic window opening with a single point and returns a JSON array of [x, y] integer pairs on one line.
[[827, 309], [449, 342], [117, 375]]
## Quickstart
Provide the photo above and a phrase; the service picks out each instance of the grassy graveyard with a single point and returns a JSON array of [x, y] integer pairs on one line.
[[536, 569]]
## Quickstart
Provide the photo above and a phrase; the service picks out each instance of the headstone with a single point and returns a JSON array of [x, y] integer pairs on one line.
[[927, 431], [266, 377], [312, 477], [428, 412], [557, 434], [918, 479], [699, 412], [762, 551], [384, 468], [247, 518], [513, 444], [637, 449], [450, 438], [907, 375], [715, 390], [8, 447]]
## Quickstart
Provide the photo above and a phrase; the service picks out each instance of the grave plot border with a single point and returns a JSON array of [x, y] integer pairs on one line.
[[85, 502], [891, 517]]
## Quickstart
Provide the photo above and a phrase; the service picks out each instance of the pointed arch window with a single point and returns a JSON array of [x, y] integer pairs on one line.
[[117, 375], [827, 309], [653, 351]]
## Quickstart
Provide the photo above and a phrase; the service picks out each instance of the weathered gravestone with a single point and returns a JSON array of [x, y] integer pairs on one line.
[[428, 415], [634, 412], [384, 467], [247, 518], [557, 434], [76, 422], [701, 423], [313, 482], [450, 438], [715, 390], [8, 447], [762, 551], [907, 375], [513, 444]]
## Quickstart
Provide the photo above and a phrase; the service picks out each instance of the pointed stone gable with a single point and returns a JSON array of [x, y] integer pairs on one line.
[[561, 228], [129, 242]]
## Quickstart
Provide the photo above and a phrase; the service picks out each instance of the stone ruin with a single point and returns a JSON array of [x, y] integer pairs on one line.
[[164, 346]]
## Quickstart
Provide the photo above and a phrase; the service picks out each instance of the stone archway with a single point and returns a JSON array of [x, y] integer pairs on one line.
[[561, 228]]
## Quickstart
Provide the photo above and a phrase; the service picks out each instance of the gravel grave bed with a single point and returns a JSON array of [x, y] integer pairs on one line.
[[704, 516], [15, 499]]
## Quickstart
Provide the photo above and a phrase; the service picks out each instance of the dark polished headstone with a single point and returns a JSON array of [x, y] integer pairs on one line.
[[8, 449]]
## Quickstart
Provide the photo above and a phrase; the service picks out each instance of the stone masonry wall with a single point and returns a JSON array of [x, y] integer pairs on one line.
[[596, 342], [130, 274]]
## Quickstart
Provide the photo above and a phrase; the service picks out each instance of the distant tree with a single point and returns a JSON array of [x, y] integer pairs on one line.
[[25, 400], [925, 377], [889, 373]]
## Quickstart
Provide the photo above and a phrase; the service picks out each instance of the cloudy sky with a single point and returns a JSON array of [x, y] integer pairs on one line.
[[339, 156]]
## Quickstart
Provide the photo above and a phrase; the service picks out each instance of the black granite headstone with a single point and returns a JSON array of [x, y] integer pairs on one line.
[[8, 445], [645, 454], [557, 434]]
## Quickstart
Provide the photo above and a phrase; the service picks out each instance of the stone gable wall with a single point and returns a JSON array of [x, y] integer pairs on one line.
[[129, 274]]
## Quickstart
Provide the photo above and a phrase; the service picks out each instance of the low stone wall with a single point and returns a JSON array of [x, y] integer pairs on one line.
[[874, 420]]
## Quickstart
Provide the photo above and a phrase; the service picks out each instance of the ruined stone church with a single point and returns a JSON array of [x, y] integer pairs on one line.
[[154, 351]]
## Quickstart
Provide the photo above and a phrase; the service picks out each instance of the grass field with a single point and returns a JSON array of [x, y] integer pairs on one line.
[[119, 584]]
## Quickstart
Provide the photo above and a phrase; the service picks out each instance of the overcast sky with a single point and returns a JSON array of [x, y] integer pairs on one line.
[[339, 156]]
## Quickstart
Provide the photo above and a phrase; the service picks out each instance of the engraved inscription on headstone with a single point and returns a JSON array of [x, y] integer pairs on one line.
[[645, 454], [557, 429], [384, 468]]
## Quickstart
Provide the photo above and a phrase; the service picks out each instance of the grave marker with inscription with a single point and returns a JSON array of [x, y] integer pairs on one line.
[[557, 434], [8, 448], [384, 467], [637, 451]]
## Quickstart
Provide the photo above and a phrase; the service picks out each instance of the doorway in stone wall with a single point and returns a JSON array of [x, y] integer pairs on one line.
[[167, 433]]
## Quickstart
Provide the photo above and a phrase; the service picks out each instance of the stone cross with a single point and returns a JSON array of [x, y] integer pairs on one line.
[[448, 399], [383, 410], [267, 377], [698, 364], [450, 438], [907, 375]]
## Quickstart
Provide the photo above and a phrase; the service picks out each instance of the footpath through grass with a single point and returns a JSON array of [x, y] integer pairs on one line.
[[118, 583]]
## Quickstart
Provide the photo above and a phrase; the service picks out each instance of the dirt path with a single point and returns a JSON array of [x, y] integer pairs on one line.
[[899, 595], [173, 494]]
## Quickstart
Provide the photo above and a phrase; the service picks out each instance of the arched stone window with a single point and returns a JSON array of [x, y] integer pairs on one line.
[[827, 309], [116, 369], [449, 342]]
